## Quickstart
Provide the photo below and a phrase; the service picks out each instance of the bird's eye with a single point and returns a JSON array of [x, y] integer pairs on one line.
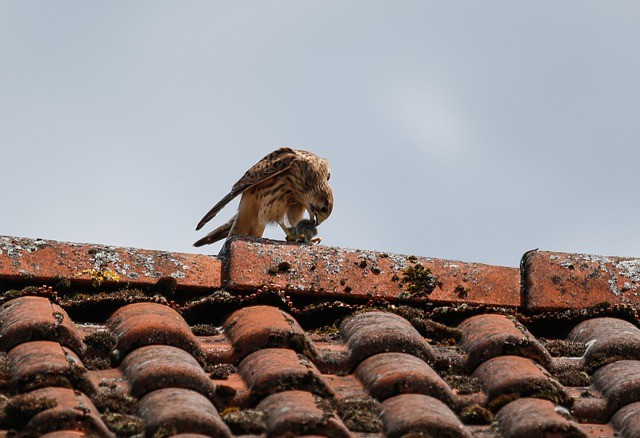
[[324, 209]]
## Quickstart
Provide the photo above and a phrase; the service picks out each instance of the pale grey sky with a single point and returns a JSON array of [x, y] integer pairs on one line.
[[466, 130]]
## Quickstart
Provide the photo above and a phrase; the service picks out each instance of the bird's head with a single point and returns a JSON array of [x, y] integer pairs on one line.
[[321, 207], [319, 199]]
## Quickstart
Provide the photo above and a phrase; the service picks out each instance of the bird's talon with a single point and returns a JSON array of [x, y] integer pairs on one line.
[[295, 237]]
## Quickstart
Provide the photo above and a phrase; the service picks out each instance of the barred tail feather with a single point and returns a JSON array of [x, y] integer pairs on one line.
[[222, 232]]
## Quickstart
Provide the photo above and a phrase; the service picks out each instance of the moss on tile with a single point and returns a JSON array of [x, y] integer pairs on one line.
[[124, 425], [20, 409], [166, 286], [327, 332], [220, 371], [32, 291], [563, 347], [418, 281], [113, 400], [476, 414], [99, 344], [5, 372], [573, 378], [206, 330], [165, 431], [461, 291], [502, 400], [244, 422], [359, 414], [463, 384]]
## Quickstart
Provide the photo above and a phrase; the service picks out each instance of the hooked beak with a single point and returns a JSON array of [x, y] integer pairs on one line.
[[315, 219]]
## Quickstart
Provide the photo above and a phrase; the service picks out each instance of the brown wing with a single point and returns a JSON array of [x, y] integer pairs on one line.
[[273, 164]]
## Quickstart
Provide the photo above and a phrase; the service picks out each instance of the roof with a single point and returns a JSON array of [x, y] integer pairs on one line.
[[282, 339]]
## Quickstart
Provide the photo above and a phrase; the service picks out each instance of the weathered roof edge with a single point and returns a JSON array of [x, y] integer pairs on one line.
[[546, 281]]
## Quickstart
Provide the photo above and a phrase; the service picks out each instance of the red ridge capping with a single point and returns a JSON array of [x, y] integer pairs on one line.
[[322, 270], [557, 281], [38, 260]]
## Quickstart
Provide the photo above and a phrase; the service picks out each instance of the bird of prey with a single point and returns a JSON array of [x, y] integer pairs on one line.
[[277, 189]]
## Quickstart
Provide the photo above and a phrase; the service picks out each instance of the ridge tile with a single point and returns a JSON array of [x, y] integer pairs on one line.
[[339, 272], [557, 281]]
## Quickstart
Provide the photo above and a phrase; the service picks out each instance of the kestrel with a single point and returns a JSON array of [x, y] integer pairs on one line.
[[277, 189]]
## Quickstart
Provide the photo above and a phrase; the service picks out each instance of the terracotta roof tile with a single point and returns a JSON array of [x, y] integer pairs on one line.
[[389, 374], [173, 411], [627, 420], [141, 324], [33, 318], [301, 413], [58, 408], [159, 366], [405, 414], [367, 274], [257, 327], [560, 281], [285, 349], [505, 376], [371, 333], [619, 383], [65, 434], [37, 260], [488, 336], [274, 370], [529, 417], [607, 340], [39, 364]]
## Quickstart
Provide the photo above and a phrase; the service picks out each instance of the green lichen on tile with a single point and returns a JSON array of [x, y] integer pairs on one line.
[[417, 281]]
